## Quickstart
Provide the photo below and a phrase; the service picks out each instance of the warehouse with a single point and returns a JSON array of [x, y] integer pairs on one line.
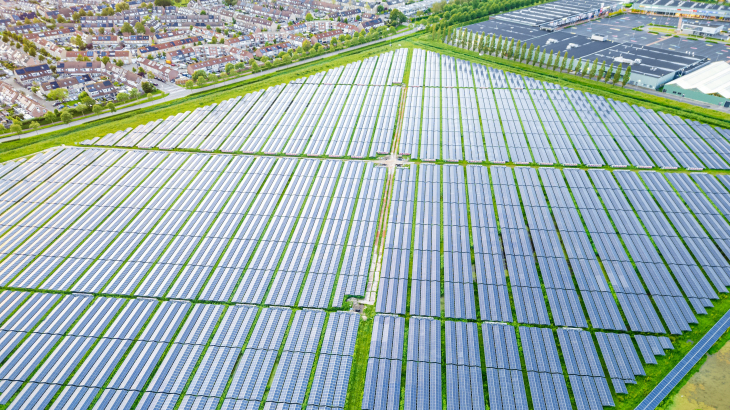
[[710, 84], [552, 15], [682, 8], [651, 67]]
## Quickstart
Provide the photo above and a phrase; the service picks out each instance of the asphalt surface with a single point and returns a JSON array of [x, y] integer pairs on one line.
[[620, 29]]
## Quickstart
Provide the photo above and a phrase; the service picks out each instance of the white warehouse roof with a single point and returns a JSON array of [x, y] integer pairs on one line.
[[714, 78]]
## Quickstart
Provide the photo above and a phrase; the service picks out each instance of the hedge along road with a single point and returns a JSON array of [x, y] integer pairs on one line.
[[181, 93], [676, 375]]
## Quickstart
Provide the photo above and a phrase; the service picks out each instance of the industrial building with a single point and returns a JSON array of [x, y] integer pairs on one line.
[[682, 8], [710, 84], [552, 15]]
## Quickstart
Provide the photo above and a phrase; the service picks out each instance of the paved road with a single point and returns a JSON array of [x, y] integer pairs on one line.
[[182, 92], [676, 375]]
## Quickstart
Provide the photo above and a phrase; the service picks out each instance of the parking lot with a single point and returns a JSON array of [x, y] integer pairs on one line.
[[620, 29]]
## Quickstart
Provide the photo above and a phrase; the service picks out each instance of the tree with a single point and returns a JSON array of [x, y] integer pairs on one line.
[[139, 27], [536, 57], [601, 70], [119, 63], [584, 72], [572, 59], [86, 99], [530, 54], [50, 117], [578, 68], [66, 117], [147, 87], [16, 128], [34, 125], [189, 84], [306, 45], [199, 73], [106, 12], [133, 94], [286, 59], [617, 74], [594, 67], [201, 81], [111, 107], [59, 94], [229, 68], [121, 6], [550, 61], [255, 67], [230, 3], [97, 109], [609, 73], [309, 17], [127, 28], [397, 18], [509, 48], [163, 3], [627, 74], [105, 59]]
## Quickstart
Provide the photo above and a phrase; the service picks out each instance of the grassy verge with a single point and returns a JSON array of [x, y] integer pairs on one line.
[[360, 361]]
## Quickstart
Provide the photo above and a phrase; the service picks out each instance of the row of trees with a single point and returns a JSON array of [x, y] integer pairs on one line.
[[519, 51]]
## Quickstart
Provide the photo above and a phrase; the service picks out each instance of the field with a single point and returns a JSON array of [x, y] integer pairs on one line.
[[526, 242]]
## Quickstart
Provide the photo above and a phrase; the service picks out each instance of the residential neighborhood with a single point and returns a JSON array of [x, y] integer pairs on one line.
[[55, 52]]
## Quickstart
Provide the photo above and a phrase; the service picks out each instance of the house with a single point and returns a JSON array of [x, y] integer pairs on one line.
[[137, 40], [214, 65], [295, 29], [52, 48], [37, 73], [181, 56], [258, 22], [370, 24], [346, 15], [241, 41], [92, 68], [273, 50], [74, 85], [104, 41], [63, 34], [169, 46], [101, 90], [241, 54], [24, 104], [327, 36], [159, 71], [123, 76], [169, 36]]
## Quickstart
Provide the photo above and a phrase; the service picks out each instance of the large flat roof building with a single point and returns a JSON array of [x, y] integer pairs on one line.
[[682, 8], [559, 13], [709, 84]]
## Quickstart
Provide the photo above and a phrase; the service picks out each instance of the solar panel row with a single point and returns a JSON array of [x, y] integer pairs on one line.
[[464, 388], [423, 366], [111, 350], [383, 377], [583, 366], [544, 371], [213, 223]]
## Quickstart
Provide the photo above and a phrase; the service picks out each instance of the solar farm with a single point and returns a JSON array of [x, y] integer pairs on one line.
[[518, 245]]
